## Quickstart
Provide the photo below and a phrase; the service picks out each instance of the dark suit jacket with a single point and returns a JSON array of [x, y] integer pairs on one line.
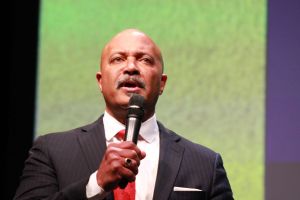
[[59, 166]]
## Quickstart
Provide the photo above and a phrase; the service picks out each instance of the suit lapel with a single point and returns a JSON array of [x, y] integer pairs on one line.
[[93, 144], [169, 162]]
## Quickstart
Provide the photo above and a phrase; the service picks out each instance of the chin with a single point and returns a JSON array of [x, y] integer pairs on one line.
[[131, 93], [124, 96], [124, 100]]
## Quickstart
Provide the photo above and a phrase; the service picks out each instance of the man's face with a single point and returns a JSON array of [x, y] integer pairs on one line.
[[131, 63]]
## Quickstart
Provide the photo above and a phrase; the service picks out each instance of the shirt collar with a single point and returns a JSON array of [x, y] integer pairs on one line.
[[148, 130]]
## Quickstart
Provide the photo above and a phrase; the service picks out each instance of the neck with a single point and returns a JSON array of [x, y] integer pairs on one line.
[[121, 115]]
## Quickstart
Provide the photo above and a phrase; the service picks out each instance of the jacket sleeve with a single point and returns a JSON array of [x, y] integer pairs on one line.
[[221, 189]]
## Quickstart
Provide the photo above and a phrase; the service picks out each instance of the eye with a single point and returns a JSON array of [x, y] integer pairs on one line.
[[116, 59], [147, 60]]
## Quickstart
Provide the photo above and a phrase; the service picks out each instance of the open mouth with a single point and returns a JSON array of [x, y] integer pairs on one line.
[[131, 84]]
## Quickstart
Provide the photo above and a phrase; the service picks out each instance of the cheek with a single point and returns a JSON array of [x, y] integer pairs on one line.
[[154, 83], [107, 82]]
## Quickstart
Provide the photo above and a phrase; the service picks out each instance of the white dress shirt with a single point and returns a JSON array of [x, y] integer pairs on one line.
[[148, 142]]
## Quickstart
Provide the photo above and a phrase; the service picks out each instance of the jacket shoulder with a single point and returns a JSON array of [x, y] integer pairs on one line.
[[72, 133], [189, 145]]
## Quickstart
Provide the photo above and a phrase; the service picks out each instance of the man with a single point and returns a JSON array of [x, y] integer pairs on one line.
[[91, 162]]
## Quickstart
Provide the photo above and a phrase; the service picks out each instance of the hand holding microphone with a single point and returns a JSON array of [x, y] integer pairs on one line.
[[121, 160], [133, 124]]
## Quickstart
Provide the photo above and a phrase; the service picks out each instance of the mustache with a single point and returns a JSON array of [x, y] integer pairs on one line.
[[132, 80]]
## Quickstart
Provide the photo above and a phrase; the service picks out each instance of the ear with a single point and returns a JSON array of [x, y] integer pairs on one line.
[[99, 80], [163, 81]]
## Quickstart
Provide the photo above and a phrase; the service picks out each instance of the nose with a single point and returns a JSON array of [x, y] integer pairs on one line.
[[131, 68]]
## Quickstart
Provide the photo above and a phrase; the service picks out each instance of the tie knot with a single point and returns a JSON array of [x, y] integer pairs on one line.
[[121, 135]]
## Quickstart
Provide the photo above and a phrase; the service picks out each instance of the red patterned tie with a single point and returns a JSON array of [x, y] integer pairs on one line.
[[120, 135], [128, 193]]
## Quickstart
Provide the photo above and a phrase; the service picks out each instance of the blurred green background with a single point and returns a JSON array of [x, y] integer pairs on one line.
[[214, 53]]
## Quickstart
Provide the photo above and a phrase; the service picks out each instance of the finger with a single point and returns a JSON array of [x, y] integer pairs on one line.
[[123, 152], [127, 174], [127, 150], [125, 158], [129, 153], [128, 145], [131, 164], [143, 155], [131, 145]]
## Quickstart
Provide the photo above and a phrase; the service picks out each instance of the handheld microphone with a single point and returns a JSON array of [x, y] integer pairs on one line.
[[133, 123], [134, 118]]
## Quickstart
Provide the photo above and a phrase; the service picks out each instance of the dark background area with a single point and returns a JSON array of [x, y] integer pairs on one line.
[[282, 100], [22, 87]]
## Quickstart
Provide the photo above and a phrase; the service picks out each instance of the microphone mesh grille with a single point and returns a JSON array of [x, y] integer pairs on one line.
[[136, 100]]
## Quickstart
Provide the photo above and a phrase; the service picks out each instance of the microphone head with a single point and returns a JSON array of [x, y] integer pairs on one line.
[[136, 106], [136, 100]]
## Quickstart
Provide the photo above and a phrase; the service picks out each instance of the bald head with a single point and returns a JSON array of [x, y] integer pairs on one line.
[[131, 63], [123, 42]]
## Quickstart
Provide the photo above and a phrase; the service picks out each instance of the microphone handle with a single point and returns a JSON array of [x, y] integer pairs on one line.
[[132, 133], [132, 129]]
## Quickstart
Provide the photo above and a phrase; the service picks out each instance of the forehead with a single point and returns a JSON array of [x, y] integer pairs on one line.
[[131, 42]]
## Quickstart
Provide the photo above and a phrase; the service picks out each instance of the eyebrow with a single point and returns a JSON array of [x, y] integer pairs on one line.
[[136, 54]]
